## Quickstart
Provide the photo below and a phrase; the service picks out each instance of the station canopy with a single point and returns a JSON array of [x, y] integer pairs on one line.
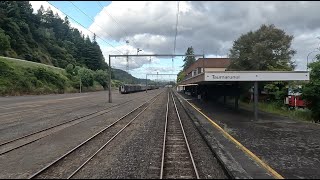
[[227, 76]]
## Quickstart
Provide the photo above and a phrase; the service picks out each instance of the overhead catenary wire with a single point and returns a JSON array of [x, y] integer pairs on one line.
[[84, 27], [123, 28], [88, 16]]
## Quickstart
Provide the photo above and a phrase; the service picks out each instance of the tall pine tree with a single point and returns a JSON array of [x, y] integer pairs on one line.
[[189, 59], [45, 37]]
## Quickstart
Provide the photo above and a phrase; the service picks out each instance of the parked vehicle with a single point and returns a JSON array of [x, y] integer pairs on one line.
[[294, 98], [131, 88]]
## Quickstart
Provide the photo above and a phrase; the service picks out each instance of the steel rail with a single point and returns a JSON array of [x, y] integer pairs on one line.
[[80, 167], [84, 142], [60, 124], [164, 138], [185, 138], [184, 135], [44, 109]]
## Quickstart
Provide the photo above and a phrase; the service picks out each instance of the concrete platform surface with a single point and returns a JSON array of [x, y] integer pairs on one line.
[[290, 147]]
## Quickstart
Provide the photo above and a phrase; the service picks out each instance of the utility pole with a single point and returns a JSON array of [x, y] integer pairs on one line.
[[127, 63], [256, 96], [110, 98], [146, 83], [80, 83], [127, 41]]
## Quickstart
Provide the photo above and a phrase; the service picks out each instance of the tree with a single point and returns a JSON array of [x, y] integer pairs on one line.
[[4, 42], [180, 76], [189, 59], [94, 37], [40, 11], [45, 37], [102, 78], [86, 76], [310, 92], [70, 69], [268, 48]]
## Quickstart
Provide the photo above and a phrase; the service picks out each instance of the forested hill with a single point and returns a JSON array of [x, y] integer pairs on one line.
[[128, 78], [44, 37]]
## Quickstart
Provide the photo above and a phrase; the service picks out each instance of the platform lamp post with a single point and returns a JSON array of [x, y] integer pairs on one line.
[[315, 50]]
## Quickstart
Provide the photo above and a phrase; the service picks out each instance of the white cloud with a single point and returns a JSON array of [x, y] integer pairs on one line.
[[209, 26], [121, 62]]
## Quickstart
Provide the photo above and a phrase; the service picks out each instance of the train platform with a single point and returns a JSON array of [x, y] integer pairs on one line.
[[271, 147]]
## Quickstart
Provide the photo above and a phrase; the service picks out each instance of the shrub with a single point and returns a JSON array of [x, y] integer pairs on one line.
[[102, 78], [86, 76], [69, 69]]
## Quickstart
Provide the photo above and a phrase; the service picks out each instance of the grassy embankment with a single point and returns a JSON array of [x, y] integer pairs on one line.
[[297, 114], [274, 108], [18, 77]]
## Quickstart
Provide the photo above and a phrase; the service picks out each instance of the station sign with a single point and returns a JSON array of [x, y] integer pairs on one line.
[[257, 76]]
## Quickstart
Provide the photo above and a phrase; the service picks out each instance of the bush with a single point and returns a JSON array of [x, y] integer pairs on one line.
[[86, 76], [69, 69], [5, 70], [18, 78], [50, 77], [116, 83], [310, 92], [102, 78]]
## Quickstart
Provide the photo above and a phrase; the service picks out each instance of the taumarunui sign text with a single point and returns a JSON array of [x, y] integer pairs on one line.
[[225, 77]]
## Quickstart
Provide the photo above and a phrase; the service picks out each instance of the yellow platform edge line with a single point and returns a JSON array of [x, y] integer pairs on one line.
[[243, 148]]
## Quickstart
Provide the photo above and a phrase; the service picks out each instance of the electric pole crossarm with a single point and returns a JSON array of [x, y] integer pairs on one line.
[[158, 55], [144, 55], [162, 74]]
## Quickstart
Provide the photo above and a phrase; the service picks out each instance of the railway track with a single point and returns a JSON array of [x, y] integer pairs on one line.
[[177, 160], [41, 105], [24, 140], [42, 109], [37, 103], [69, 164]]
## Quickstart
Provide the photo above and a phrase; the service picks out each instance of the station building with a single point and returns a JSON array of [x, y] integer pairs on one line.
[[194, 84], [208, 78]]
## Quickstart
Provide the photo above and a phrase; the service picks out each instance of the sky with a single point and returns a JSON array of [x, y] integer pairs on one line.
[[210, 27]]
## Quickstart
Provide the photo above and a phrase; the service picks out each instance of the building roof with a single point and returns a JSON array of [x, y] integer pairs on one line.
[[209, 63]]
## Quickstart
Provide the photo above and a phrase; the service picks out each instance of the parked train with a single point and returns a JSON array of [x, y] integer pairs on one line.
[[130, 88]]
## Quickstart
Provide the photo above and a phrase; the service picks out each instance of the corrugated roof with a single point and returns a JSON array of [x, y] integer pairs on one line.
[[209, 63]]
